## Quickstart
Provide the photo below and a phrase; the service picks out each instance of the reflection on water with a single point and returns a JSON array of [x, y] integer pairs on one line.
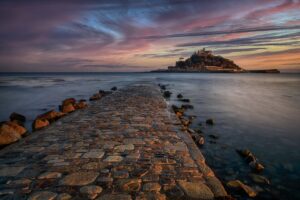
[[260, 112]]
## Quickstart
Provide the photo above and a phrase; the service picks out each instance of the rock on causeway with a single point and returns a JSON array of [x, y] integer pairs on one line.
[[128, 145]]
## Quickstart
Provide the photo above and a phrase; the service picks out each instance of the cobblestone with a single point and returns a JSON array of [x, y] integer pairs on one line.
[[128, 145]]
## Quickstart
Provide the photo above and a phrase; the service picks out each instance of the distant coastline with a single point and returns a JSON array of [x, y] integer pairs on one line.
[[204, 61]]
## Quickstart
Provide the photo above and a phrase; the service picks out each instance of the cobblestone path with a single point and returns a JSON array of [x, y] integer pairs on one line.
[[128, 145]]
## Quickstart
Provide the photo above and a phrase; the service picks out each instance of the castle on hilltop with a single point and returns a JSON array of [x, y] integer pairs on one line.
[[205, 61], [203, 52]]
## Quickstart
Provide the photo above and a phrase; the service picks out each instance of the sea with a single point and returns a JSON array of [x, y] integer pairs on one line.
[[259, 112]]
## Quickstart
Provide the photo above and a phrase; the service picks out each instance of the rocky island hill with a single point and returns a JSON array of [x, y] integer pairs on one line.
[[205, 61]]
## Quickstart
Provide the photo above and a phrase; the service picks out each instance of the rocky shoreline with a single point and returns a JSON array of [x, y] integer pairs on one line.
[[128, 145]]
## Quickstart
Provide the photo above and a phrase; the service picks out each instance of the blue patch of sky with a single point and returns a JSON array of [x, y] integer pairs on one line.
[[284, 17], [142, 17], [94, 21]]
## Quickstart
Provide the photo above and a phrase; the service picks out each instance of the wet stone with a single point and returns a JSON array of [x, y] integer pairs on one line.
[[79, 178], [129, 185], [151, 187], [19, 183], [48, 175], [64, 196], [113, 159], [10, 171], [43, 195], [120, 174], [174, 192], [105, 180], [91, 191], [196, 190], [128, 145], [122, 148], [7, 192], [93, 154], [115, 197]]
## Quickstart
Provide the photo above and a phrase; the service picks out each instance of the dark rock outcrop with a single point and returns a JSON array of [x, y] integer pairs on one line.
[[10, 132], [51, 115], [167, 94], [20, 119], [204, 61], [40, 123], [81, 104], [8, 135], [210, 122], [95, 97]]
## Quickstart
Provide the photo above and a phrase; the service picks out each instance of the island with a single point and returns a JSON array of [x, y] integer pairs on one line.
[[204, 61]]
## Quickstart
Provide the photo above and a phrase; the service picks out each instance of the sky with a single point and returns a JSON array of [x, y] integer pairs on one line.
[[142, 35]]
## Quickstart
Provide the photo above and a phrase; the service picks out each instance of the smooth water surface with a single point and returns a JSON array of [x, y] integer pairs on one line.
[[260, 112]]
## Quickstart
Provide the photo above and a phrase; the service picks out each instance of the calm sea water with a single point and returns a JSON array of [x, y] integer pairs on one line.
[[260, 112]]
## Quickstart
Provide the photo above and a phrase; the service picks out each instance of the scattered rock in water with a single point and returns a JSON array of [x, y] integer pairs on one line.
[[178, 111], [114, 88], [162, 87], [81, 104], [20, 119], [185, 122], [68, 105], [104, 93], [199, 131], [179, 96], [210, 121], [244, 153], [40, 123], [68, 108], [51, 115], [179, 114], [259, 179], [185, 100], [256, 166], [192, 117], [239, 185], [91, 191], [68, 101], [213, 136], [167, 94], [8, 135], [95, 97], [191, 131], [15, 126], [251, 159], [201, 141], [187, 106]]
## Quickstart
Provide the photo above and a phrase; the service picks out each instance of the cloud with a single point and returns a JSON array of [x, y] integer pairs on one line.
[[41, 36], [227, 51], [209, 33], [254, 40]]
